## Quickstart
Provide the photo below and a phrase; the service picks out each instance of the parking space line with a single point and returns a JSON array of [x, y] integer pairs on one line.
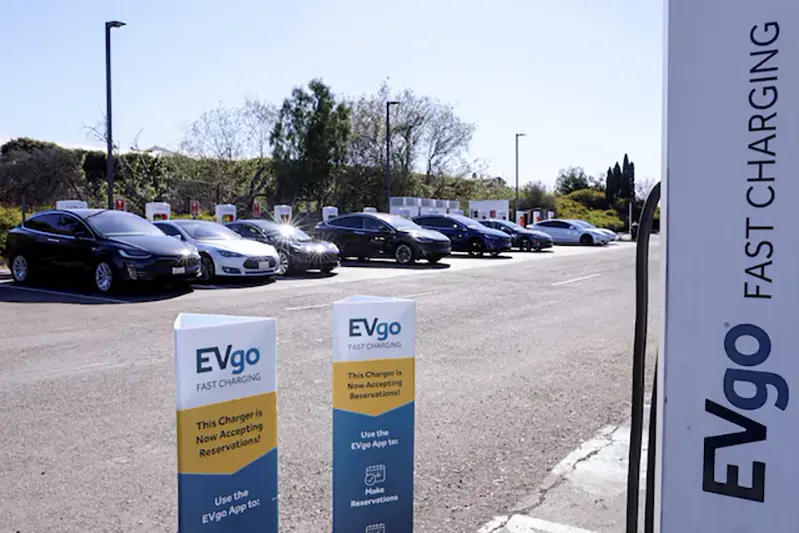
[[417, 294], [525, 524], [575, 280], [306, 307], [61, 293]]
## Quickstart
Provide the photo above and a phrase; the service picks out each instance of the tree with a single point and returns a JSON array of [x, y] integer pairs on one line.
[[611, 186], [618, 180], [627, 181], [643, 188], [309, 144], [571, 179], [42, 176], [534, 195]]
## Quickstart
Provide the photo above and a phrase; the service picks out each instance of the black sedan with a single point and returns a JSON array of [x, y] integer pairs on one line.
[[112, 247], [367, 235], [298, 251], [522, 238]]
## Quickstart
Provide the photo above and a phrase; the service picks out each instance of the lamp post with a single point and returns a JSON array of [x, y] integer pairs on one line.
[[109, 164], [388, 152], [516, 206]]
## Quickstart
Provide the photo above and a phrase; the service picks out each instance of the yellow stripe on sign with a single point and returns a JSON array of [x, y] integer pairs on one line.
[[222, 438], [373, 387]]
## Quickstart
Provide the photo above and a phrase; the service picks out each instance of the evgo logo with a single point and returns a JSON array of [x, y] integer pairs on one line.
[[374, 327], [210, 358]]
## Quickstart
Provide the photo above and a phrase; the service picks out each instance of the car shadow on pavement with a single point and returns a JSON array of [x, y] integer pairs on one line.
[[466, 255], [306, 275], [233, 283], [379, 263], [11, 292]]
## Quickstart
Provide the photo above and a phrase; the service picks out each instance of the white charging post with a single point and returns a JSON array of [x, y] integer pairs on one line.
[[283, 214], [71, 204], [225, 213], [155, 211], [726, 458], [329, 212]]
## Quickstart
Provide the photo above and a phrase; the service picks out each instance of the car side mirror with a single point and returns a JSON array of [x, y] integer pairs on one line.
[[82, 235], [178, 237]]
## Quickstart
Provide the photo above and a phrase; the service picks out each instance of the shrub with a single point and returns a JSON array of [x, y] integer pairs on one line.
[[607, 218], [590, 198], [9, 217], [203, 216]]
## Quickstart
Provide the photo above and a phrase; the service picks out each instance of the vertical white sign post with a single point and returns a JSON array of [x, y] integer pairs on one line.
[[729, 425], [373, 414], [226, 379]]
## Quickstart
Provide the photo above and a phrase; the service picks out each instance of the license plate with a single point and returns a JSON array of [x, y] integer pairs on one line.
[[263, 265], [178, 270]]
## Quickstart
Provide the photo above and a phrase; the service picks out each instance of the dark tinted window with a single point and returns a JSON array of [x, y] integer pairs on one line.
[[120, 223], [347, 222], [561, 224], [433, 222], [69, 225], [245, 230], [169, 230], [46, 223], [372, 224], [547, 224]]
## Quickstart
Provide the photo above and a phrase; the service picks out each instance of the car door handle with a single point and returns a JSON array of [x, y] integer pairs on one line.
[[50, 239], [359, 232]]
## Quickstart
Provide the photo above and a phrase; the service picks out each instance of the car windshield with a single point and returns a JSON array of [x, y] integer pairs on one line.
[[512, 225], [398, 222], [582, 224], [466, 221], [207, 231], [114, 223]]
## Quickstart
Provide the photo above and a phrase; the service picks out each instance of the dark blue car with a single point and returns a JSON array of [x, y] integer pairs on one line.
[[466, 234]]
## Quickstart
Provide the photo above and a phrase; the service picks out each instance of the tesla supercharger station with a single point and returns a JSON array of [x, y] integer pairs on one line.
[[225, 213], [729, 428], [550, 215], [503, 215], [283, 214], [71, 204], [520, 218], [329, 212], [536, 216], [155, 211], [456, 211], [402, 211]]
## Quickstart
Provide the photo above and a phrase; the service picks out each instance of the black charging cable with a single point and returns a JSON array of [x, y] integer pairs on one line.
[[639, 376]]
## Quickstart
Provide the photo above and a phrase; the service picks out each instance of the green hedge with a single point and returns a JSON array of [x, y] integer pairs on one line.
[[607, 218], [9, 217]]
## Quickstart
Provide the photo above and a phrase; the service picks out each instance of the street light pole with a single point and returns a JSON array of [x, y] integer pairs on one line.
[[516, 206], [109, 163], [388, 152]]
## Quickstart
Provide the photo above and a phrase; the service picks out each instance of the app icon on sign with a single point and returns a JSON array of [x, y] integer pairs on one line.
[[375, 474], [375, 528]]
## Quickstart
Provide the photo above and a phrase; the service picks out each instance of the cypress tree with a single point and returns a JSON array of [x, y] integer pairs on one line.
[[610, 187]]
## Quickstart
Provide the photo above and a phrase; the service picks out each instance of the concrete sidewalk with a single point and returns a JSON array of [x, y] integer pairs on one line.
[[585, 493]]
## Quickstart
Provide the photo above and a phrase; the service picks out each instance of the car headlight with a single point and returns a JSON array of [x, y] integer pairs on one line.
[[133, 253], [297, 248], [228, 253]]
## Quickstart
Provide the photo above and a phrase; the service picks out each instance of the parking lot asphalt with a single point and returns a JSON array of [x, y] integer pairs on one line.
[[520, 359]]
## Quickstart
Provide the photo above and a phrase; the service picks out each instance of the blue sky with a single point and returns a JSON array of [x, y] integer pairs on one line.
[[583, 78]]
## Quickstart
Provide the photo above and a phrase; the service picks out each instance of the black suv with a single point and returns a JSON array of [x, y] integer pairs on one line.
[[365, 235]]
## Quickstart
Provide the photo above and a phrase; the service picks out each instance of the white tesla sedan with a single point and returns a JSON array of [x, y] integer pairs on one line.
[[612, 236], [567, 232], [223, 251]]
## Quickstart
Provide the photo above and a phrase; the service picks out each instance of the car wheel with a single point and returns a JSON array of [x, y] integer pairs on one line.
[[20, 269], [526, 245], [207, 268], [104, 280], [403, 254], [283, 263], [586, 239], [476, 247]]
